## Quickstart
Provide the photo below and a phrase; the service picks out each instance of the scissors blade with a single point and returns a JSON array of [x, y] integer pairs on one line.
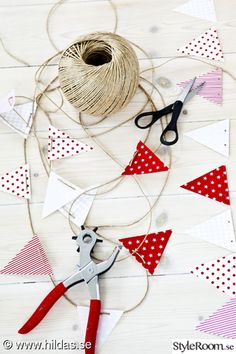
[[194, 91], [186, 91]]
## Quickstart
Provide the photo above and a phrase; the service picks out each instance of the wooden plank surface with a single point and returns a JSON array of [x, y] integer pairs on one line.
[[176, 301]]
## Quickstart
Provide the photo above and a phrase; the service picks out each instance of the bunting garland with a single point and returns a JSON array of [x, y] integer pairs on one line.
[[17, 182], [215, 136], [59, 193], [221, 273], [213, 185], [203, 9], [207, 46], [147, 249], [31, 260], [218, 230], [19, 118], [213, 85], [107, 322], [222, 322], [144, 161], [61, 145]]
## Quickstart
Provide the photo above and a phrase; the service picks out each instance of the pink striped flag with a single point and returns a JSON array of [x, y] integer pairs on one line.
[[31, 260], [222, 322], [213, 87]]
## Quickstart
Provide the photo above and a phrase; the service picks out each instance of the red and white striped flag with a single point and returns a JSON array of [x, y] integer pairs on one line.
[[31, 260]]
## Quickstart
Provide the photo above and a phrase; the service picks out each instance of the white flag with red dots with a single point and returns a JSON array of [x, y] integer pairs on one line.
[[207, 46], [61, 145], [17, 182], [221, 273]]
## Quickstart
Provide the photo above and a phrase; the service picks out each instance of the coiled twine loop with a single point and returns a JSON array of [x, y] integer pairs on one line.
[[99, 73]]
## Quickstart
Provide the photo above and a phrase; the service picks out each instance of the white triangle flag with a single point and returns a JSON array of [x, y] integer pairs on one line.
[[218, 230], [107, 322], [215, 136], [59, 193], [207, 46], [20, 118], [204, 9], [17, 182], [61, 145], [80, 208]]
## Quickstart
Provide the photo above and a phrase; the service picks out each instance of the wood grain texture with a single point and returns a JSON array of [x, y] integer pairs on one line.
[[176, 300]]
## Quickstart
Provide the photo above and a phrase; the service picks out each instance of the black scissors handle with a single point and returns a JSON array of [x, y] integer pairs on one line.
[[172, 126], [153, 115]]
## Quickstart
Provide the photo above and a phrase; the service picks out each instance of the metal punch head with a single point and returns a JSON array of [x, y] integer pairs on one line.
[[86, 240]]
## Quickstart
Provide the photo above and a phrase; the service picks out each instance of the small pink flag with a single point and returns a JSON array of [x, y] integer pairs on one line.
[[213, 87], [31, 260], [222, 322]]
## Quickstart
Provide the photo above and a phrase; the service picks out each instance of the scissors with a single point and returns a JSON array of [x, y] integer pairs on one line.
[[174, 108], [87, 271]]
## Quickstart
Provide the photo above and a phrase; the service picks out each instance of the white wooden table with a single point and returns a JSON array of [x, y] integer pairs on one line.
[[176, 300]]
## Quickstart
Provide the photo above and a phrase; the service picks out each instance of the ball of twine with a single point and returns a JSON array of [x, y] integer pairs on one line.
[[99, 73]]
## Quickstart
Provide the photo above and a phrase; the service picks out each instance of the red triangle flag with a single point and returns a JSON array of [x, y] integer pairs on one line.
[[31, 260], [147, 249], [213, 185], [144, 161]]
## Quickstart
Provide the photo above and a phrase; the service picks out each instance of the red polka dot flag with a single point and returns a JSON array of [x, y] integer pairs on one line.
[[31, 260], [221, 273], [144, 161], [207, 45], [213, 185], [61, 145], [17, 182], [147, 249]]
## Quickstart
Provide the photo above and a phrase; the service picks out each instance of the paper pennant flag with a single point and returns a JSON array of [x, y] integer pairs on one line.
[[213, 85], [221, 273], [7, 103], [207, 45], [61, 145], [144, 161], [59, 193], [17, 182], [147, 249], [213, 185], [222, 322], [31, 260], [20, 118], [218, 230], [79, 209], [203, 9], [215, 136], [107, 322]]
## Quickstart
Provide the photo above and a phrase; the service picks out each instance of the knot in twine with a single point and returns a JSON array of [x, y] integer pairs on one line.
[[99, 73]]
